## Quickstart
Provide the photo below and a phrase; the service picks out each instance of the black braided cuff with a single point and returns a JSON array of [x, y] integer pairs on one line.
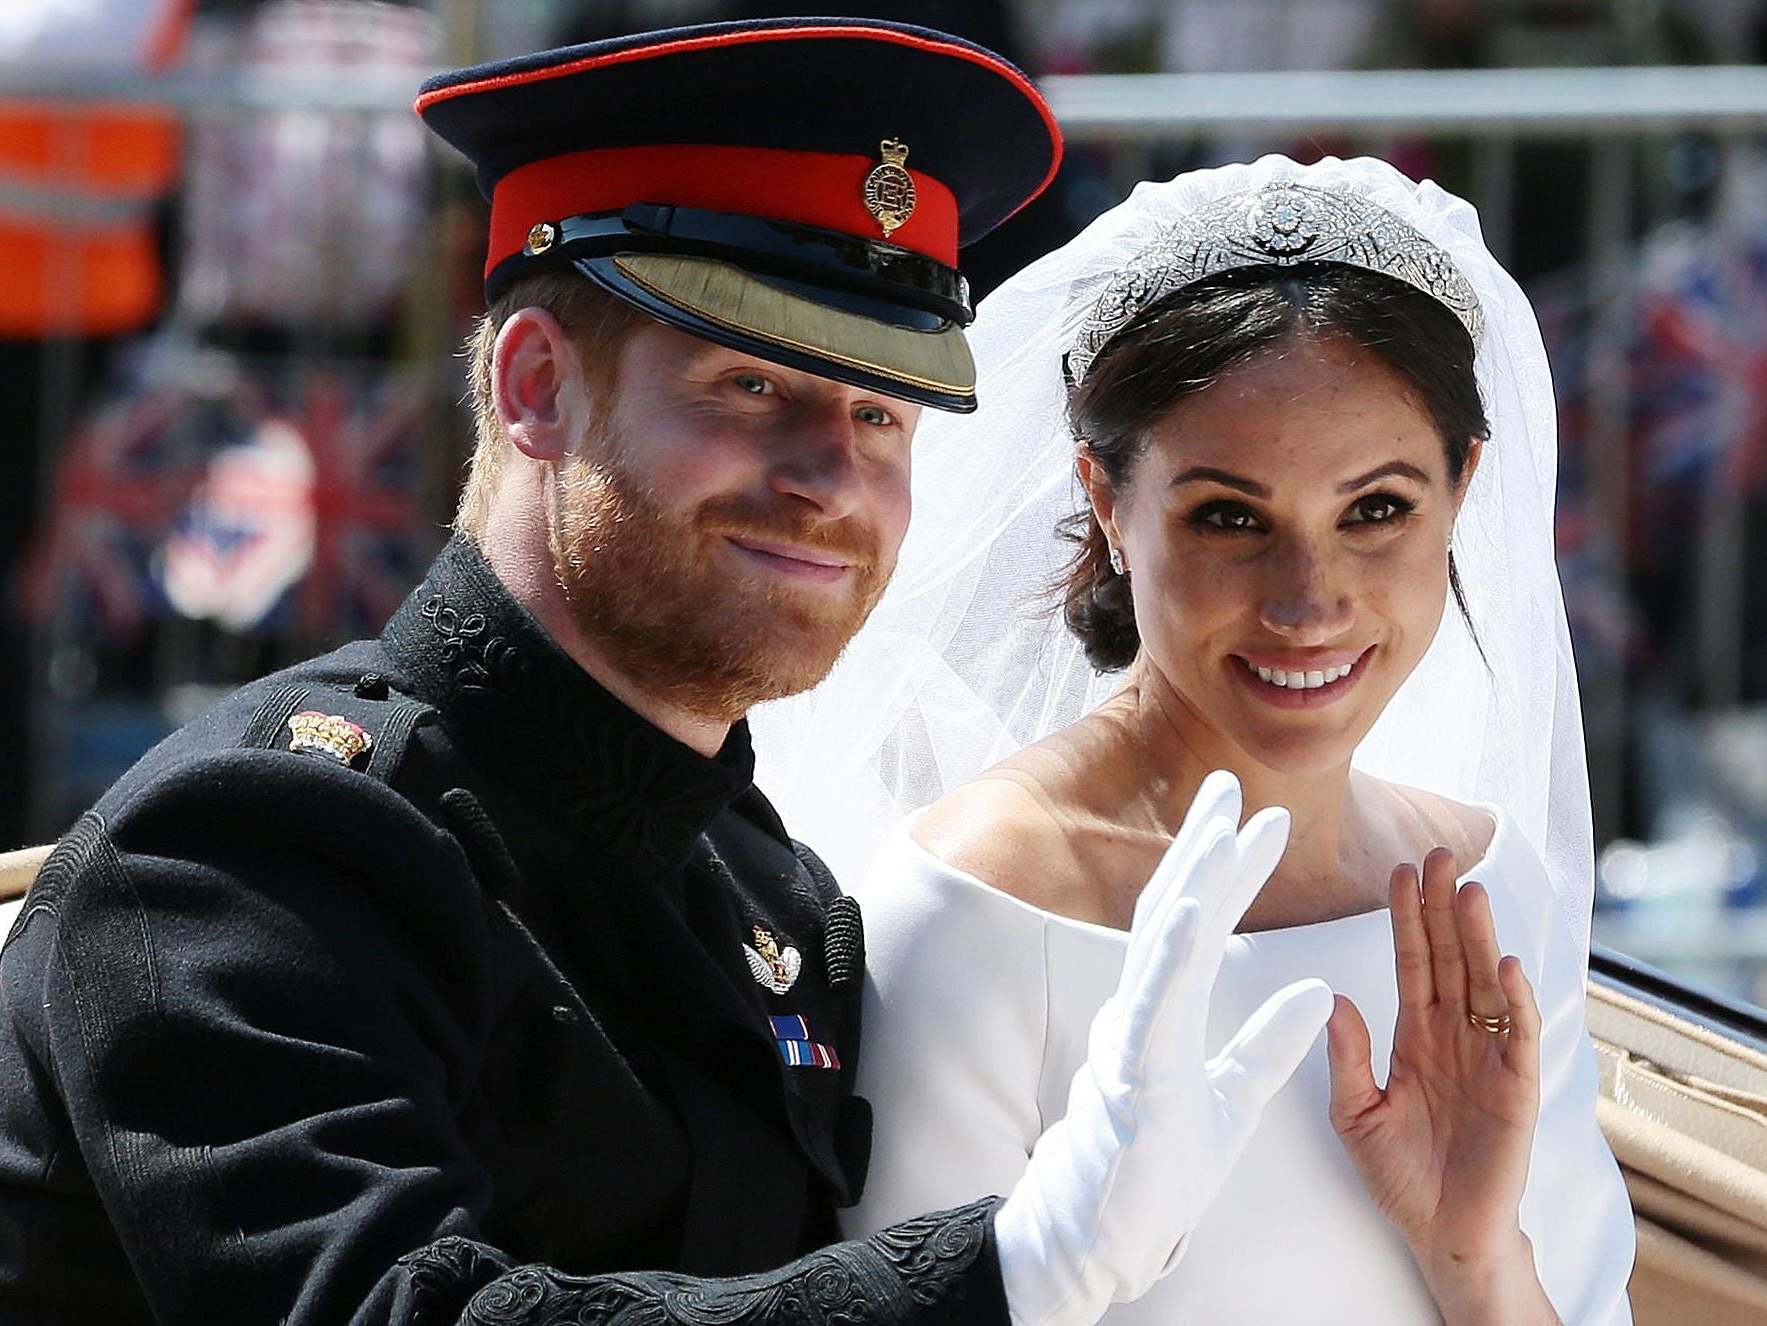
[[936, 1270], [435, 1281]]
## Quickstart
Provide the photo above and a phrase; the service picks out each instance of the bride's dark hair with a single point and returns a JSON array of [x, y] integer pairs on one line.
[[1199, 333]]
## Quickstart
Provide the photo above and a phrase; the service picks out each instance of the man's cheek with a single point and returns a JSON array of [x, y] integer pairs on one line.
[[890, 539], [896, 515]]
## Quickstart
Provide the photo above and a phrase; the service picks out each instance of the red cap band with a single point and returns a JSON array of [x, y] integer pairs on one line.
[[823, 189]]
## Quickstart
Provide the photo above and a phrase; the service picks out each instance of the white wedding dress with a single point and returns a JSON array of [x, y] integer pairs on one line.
[[977, 1010]]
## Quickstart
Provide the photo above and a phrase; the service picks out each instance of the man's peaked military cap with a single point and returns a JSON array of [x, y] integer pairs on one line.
[[796, 188]]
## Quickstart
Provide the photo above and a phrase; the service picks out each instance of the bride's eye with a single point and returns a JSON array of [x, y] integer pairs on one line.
[[1380, 509], [1232, 517]]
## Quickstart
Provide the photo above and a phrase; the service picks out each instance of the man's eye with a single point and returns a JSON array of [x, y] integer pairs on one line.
[[754, 384], [872, 414]]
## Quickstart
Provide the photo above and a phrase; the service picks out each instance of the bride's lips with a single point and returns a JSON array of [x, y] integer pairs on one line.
[[1319, 696], [806, 564]]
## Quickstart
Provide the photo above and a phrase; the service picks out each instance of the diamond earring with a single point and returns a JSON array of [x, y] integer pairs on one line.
[[1117, 561]]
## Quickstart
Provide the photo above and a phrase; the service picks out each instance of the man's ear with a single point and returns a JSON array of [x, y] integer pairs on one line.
[[537, 385]]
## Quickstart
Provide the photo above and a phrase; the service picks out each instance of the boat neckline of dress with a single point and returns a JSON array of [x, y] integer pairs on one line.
[[1500, 831]]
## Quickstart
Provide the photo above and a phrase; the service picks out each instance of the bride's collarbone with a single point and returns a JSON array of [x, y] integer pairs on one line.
[[1008, 833], [1012, 833]]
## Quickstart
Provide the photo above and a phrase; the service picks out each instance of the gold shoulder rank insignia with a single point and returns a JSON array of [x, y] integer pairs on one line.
[[327, 734], [889, 188], [773, 968]]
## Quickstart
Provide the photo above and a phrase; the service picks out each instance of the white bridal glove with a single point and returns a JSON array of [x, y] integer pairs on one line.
[[1152, 1128]]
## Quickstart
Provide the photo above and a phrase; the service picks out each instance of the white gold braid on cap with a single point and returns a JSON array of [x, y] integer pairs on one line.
[[1279, 225]]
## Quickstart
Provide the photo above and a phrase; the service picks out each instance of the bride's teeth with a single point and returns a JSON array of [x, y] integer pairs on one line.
[[1299, 680]]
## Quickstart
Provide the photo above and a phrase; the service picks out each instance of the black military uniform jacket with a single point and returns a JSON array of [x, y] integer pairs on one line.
[[470, 1028]]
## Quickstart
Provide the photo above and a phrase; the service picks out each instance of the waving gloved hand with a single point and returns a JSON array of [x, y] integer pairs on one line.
[[1153, 1127]]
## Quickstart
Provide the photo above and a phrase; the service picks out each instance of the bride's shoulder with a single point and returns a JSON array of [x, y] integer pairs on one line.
[[1009, 828], [1430, 820]]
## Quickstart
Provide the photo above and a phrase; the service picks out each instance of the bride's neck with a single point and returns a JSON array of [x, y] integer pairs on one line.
[[1171, 750]]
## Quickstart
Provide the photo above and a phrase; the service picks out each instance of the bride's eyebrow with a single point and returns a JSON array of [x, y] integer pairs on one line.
[[1209, 474], [1402, 468], [1252, 488]]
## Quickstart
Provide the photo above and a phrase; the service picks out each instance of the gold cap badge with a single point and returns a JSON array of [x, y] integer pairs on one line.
[[542, 237], [889, 188], [327, 734]]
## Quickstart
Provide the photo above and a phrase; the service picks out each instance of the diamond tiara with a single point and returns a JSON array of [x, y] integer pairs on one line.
[[1279, 225]]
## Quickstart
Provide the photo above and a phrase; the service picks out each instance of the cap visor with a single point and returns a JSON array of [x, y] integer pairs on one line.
[[726, 304]]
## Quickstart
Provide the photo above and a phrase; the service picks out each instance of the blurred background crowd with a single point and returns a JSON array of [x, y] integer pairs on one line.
[[236, 271]]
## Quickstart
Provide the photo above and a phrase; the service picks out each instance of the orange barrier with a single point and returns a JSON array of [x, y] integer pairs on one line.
[[78, 187]]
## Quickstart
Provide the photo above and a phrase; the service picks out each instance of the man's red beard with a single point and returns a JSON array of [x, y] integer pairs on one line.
[[662, 594]]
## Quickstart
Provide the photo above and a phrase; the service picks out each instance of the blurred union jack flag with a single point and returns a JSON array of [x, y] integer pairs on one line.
[[286, 498], [1694, 426]]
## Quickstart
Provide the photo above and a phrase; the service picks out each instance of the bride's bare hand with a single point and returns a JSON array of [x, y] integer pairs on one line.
[[1443, 1150]]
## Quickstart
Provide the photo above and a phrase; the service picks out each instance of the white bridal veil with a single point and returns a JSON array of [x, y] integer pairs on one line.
[[966, 659]]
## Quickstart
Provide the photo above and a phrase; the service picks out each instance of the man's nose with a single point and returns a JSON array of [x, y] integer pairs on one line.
[[1302, 598], [816, 458]]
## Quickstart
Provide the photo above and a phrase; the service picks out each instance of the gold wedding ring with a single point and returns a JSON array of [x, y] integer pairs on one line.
[[1495, 1025]]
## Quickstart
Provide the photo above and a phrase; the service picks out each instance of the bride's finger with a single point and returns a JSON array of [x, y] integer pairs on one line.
[[1478, 943], [1270, 1046], [1147, 993], [1158, 904], [1521, 1053], [1447, 962], [1217, 801], [1260, 846], [1349, 1053], [1411, 946]]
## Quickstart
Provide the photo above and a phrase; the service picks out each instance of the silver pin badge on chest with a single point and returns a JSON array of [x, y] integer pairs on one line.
[[774, 968]]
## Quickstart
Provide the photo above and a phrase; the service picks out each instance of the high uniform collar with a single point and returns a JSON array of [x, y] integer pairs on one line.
[[542, 726]]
